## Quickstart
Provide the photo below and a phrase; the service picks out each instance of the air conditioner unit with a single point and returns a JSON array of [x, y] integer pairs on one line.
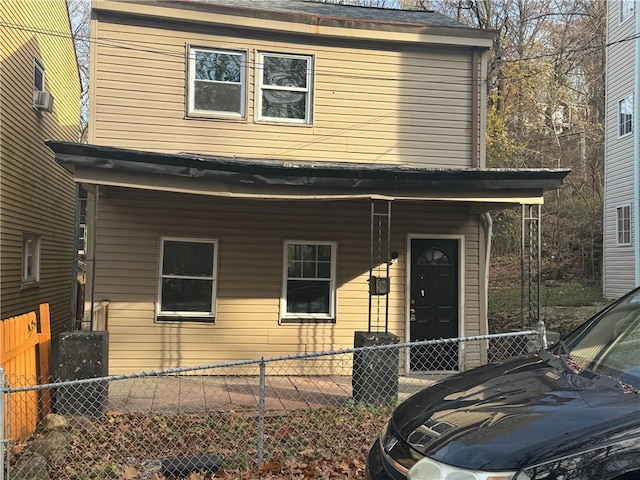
[[43, 101]]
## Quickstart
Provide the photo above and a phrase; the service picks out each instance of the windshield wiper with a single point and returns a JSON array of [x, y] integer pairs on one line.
[[561, 348]]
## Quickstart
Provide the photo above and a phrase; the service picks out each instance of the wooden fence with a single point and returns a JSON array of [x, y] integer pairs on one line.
[[25, 343]]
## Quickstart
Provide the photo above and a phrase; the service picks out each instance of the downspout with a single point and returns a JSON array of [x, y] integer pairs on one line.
[[74, 285], [94, 235], [488, 228], [636, 147]]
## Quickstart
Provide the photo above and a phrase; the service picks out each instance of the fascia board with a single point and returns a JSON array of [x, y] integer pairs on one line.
[[161, 183]]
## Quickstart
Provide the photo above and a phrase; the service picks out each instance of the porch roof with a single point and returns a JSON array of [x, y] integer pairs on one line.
[[270, 178]]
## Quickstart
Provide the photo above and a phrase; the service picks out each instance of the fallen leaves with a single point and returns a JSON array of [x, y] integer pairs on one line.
[[308, 468], [325, 443]]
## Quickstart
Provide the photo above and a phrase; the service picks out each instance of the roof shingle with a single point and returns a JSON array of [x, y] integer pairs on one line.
[[339, 11]]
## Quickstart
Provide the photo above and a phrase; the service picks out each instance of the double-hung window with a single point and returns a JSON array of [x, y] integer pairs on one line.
[[309, 282], [623, 225], [625, 115], [42, 101], [187, 280], [38, 76], [30, 259], [217, 82], [284, 88], [627, 8]]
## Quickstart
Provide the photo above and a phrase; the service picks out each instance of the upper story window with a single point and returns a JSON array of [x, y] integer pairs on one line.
[[38, 76], [284, 88], [627, 8], [625, 115], [42, 101], [187, 280], [309, 282], [217, 82], [623, 225], [30, 259]]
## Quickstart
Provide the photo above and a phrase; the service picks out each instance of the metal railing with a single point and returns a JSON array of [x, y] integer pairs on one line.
[[235, 415]]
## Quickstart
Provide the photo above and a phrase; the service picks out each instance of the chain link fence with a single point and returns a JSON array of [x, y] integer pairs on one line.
[[167, 424]]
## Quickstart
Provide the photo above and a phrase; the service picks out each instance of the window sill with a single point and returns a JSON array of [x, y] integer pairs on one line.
[[184, 319], [625, 20], [216, 117], [299, 320], [29, 284], [273, 121]]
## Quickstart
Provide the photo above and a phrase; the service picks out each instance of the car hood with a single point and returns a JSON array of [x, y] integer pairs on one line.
[[513, 414]]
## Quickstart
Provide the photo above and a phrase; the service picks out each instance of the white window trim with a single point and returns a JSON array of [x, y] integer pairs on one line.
[[631, 14], [619, 211], [630, 99], [309, 89], [308, 317], [182, 317], [191, 61], [34, 279]]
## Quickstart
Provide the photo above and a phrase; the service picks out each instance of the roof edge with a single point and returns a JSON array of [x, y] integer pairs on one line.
[[299, 22], [384, 177]]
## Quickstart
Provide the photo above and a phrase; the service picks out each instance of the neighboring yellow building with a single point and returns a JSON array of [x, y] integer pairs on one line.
[[39, 100], [334, 183]]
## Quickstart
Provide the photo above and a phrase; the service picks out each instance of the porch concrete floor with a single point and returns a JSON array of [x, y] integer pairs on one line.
[[195, 393]]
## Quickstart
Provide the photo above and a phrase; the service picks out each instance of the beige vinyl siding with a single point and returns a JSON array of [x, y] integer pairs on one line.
[[36, 195], [370, 104], [250, 237], [619, 260]]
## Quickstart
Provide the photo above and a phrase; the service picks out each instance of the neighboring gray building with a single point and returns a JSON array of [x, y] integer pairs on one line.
[[621, 241]]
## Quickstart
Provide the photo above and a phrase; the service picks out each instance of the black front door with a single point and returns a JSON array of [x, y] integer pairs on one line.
[[434, 302]]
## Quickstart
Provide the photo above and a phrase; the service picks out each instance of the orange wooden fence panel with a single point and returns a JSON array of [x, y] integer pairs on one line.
[[24, 354]]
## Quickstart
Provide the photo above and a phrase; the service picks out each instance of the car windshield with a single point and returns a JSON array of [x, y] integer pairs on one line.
[[609, 343]]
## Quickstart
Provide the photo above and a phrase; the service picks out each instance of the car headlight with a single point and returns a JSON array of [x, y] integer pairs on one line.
[[428, 469]]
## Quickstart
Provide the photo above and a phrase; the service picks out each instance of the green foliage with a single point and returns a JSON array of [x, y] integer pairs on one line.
[[502, 148]]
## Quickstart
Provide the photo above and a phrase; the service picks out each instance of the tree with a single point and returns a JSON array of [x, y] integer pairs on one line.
[[80, 17], [546, 109]]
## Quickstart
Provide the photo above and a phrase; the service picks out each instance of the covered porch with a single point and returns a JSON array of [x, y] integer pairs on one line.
[[408, 243]]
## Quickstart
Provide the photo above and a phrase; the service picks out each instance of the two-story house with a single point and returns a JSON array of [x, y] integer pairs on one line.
[[267, 178], [621, 270], [39, 100]]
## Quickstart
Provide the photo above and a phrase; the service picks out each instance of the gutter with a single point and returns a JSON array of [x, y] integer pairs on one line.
[[352, 177]]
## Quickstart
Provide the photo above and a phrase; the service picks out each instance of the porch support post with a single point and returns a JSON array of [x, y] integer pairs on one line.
[[379, 262], [530, 266]]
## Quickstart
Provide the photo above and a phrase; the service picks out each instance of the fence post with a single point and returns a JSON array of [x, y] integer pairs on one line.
[[543, 334], [2, 426], [261, 394]]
